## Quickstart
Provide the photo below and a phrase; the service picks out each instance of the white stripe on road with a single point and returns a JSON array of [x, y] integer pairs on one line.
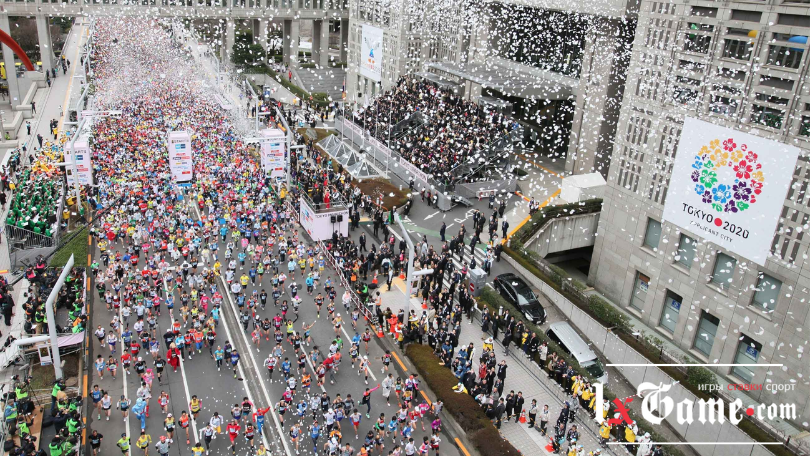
[[183, 369], [370, 370], [272, 410]]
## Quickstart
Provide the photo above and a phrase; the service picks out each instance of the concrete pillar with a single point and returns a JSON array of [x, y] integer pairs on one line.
[[320, 42], [230, 37], [324, 49], [255, 26], [263, 26], [8, 59], [45, 43], [285, 40], [344, 40], [294, 39]]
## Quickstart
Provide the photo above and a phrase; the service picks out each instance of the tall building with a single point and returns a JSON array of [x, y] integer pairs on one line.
[[702, 232], [558, 70]]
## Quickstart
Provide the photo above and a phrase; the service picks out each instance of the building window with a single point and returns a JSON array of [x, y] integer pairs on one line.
[[767, 292], [639, 297], [686, 251], [653, 235], [697, 43], [724, 270], [723, 105], [804, 128], [683, 95], [784, 56], [769, 117], [747, 353], [736, 49], [669, 315], [707, 329]]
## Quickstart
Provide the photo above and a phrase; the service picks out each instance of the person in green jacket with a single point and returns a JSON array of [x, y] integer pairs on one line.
[[73, 423], [56, 446]]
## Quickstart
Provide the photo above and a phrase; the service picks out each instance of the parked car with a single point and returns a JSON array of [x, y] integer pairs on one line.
[[567, 338], [515, 290]]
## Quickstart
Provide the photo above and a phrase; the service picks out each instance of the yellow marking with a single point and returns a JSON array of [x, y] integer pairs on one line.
[[399, 361], [522, 196], [541, 166], [520, 225], [426, 398], [461, 447]]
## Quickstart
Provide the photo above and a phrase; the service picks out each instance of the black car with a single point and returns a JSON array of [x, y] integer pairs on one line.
[[518, 293]]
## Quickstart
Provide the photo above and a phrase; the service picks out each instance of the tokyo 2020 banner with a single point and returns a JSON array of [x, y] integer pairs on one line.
[[729, 187], [371, 53]]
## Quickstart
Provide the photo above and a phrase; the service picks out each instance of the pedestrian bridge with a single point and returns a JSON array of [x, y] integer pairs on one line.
[[198, 9]]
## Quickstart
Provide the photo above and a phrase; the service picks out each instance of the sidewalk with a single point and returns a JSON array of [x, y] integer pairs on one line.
[[523, 375]]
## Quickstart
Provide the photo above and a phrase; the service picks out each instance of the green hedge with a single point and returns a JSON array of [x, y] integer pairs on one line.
[[469, 415], [542, 216], [76, 247]]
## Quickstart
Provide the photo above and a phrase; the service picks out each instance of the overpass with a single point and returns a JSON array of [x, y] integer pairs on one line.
[[259, 12]]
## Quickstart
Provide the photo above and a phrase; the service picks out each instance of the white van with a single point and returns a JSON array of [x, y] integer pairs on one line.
[[567, 338]]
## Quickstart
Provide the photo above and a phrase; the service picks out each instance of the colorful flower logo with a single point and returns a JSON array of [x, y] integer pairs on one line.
[[748, 176]]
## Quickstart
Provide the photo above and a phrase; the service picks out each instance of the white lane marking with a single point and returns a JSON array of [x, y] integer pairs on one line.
[[183, 369], [370, 370], [270, 403]]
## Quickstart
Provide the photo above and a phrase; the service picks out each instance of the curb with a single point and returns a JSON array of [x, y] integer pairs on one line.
[[452, 427]]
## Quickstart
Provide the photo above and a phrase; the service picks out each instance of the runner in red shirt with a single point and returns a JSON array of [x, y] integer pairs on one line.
[[233, 432]]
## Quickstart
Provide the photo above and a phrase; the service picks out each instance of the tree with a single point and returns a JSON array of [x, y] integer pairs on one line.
[[244, 51]]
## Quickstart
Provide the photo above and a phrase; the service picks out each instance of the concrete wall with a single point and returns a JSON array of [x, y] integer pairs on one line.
[[616, 351], [565, 233]]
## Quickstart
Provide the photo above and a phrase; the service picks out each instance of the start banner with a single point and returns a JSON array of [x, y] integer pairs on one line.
[[180, 161]]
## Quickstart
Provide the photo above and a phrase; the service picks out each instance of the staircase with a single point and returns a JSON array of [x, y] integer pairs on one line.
[[328, 80]]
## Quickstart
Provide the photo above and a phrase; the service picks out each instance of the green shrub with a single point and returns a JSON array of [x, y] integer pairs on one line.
[[308, 65], [488, 441], [699, 376], [579, 285], [469, 415], [541, 217], [607, 314]]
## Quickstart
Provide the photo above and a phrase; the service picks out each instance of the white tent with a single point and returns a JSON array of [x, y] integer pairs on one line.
[[581, 187]]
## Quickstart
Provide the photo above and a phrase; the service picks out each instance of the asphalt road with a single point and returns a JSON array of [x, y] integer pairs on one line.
[[219, 391]]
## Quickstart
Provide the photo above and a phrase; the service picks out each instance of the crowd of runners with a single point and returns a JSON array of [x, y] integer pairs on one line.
[[165, 250]]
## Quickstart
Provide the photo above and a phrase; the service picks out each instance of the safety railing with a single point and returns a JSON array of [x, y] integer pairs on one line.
[[345, 283]]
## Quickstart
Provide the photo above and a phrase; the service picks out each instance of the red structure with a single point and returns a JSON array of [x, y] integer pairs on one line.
[[8, 41]]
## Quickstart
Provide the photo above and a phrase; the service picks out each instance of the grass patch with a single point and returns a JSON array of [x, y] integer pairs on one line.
[[321, 132], [374, 187], [77, 247], [469, 415]]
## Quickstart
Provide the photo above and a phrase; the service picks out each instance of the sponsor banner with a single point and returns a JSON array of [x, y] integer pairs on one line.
[[371, 53], [411, 168], [80, 155], [353, 127], [180, 161], [380, 147], [729, 187], [319, 226], [274, 152]]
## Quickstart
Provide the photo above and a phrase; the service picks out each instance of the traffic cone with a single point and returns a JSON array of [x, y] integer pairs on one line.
[[402, 275], [380, 332], [523, 416], [424, 304]]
